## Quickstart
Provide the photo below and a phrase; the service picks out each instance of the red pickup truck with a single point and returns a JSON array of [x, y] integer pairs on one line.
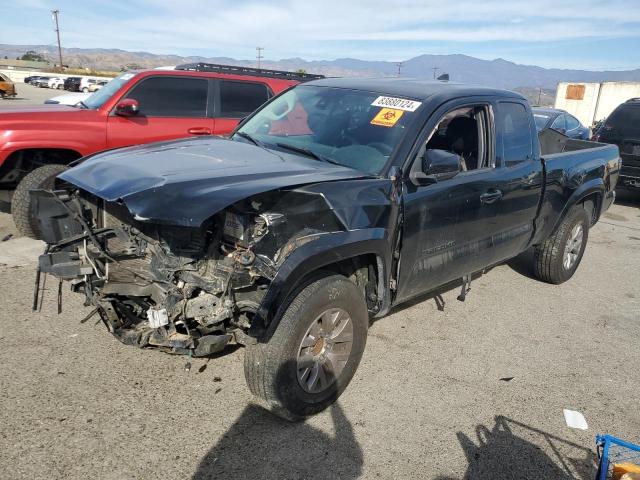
[[36, 142]]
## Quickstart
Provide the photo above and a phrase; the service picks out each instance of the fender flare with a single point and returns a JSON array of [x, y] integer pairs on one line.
[[325, 250], [595, 185]]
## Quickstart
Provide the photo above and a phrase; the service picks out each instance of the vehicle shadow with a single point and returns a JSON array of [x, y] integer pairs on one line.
[[628, 198], [523, 264], [260, 445], [435, 295], [506, 452]]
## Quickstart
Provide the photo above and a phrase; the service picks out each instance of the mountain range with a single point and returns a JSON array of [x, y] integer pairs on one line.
[[461, 68]]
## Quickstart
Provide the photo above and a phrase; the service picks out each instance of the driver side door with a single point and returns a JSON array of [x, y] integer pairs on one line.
[[448, 226], [169, 108]]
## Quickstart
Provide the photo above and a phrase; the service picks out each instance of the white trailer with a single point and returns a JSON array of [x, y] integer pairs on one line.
[[591, 102]]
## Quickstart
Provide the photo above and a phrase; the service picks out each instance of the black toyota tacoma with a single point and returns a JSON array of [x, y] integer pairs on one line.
[[328, 206]]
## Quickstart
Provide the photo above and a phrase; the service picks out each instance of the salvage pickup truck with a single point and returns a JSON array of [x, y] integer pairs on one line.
[[333, 203]]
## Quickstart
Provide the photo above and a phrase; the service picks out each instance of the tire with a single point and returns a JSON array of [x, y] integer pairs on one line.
[[551, 261], [42, 177], [85, 90], [272, 369]]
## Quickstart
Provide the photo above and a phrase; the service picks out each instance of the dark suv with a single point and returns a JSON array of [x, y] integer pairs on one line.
[[72, 84], [622, 128]]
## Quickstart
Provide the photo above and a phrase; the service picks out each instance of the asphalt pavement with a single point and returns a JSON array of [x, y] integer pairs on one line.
[[475, 391], [29, 95]]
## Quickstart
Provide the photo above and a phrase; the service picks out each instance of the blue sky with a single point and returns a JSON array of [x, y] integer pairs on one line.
[[587, 34]]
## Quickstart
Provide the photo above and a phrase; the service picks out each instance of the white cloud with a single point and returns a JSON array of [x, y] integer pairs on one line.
[[327, 28]]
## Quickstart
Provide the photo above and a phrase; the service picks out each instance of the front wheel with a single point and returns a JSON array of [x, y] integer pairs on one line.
[[85, 90], [557, 259], [21, 208], [314, 352]]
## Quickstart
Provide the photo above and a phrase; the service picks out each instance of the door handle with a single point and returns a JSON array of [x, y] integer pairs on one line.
[[199, 131], [490, 196]]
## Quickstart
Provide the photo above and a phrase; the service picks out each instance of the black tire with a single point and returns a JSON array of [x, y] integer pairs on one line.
[[42, 177], [549, 258], [271, 368]]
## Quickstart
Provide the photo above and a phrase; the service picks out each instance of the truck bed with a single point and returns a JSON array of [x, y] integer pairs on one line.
[[572, 167]]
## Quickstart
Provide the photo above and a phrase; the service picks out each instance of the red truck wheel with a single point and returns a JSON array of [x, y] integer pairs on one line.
[[40, 178]]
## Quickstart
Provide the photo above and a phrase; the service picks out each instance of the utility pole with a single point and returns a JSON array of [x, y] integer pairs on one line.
[[539, 95], [259, 54], [54, 15], [435, 69], [399, 65]]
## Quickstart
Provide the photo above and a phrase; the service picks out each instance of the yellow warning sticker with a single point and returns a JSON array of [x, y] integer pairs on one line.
[[387, 117]]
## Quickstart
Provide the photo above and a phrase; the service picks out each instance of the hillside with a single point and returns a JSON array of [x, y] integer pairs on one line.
[[461, 68]]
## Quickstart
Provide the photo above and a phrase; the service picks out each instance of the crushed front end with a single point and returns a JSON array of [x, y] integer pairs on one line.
[[186, 290]]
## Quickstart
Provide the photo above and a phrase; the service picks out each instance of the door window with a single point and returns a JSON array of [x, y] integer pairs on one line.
[[171, 96], [559, 123], [465, 131], [239, 99], [515, 127]]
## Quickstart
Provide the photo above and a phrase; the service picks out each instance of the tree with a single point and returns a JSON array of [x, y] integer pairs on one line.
[[32, 56], [301, 71]]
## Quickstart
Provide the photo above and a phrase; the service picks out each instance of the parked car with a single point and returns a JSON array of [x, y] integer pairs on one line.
[[41, 82], [56, 82], [72, 84], [560, 121], [94, 87], [7, 87], [622, 128], [333, 203], [70, 99], [30, 80], [85, 83], [136, 107]]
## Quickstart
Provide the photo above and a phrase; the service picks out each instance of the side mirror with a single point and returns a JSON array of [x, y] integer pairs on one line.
[[127, 108], [437, 165]]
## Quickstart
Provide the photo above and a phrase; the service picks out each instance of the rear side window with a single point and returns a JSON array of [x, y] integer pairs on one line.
[[572, 123], [623, 122], [171, 96], [559, 123], [515, 127], [239, 99]]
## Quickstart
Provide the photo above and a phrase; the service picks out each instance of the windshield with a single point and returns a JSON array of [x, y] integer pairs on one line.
[[97, 99], [353, 128], [541, 120]]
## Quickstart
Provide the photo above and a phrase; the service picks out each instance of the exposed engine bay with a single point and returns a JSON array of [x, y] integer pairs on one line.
[[185, 290]]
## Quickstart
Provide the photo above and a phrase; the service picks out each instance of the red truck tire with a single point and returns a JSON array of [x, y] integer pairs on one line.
[[42, 177]]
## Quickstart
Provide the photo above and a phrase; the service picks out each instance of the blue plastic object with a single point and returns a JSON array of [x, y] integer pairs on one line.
[[613, 450]]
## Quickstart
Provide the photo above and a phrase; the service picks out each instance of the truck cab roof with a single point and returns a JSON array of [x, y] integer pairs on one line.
[[414, 88]]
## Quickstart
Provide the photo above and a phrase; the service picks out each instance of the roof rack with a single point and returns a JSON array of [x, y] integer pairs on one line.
[[257, 72]]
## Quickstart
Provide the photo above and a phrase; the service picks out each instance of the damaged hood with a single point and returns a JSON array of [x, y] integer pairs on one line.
[[184, 182]]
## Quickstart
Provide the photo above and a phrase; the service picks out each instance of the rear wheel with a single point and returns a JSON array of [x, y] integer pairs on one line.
[[557, 259], [313, 353], [21, 207]]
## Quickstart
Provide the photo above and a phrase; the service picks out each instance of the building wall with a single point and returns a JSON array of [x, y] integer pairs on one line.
[[613, 94], [598, 99]]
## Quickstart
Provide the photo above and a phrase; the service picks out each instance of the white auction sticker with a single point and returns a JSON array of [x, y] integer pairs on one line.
[[397, 103]]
